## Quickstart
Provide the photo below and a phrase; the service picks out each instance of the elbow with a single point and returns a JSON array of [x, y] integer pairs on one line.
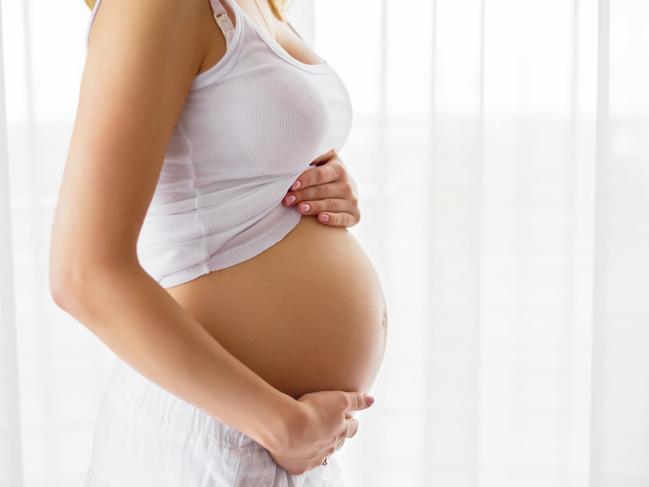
[[83, 287], [84, 271], [66, 286], [66, 273], [57, 293], [79, 286]]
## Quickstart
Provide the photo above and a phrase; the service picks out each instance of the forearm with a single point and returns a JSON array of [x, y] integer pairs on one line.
[[137, 319]]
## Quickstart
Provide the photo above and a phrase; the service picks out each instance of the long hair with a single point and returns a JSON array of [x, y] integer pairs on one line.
[[277, 6]]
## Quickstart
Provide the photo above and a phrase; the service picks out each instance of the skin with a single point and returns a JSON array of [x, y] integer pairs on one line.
[[135, 80]]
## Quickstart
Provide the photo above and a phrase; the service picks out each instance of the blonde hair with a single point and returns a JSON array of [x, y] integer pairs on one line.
[[277, 6]]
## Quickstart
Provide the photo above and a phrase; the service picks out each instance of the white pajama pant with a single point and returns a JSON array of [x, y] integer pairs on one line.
[[147, 437]]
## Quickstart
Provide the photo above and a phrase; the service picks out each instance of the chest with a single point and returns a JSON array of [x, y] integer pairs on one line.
[[266, 119]]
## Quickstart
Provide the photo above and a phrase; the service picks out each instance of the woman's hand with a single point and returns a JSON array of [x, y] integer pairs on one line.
[[323, 424], [328, 191]]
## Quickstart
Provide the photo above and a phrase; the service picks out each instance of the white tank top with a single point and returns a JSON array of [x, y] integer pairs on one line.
[[249, 126]]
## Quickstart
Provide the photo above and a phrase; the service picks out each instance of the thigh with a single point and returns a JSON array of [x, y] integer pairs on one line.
[[145, 436]]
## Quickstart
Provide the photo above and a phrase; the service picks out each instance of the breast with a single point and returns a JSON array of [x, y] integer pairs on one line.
[[306, 314], [263, 119]]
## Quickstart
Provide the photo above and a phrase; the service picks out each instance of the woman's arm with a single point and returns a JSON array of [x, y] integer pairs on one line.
[[139, 67]]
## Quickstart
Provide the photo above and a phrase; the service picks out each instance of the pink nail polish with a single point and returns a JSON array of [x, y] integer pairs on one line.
[[304, 207], [324, 217], [290, 199], [296, 185]]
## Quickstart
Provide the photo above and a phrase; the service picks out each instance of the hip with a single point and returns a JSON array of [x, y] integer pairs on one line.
[[146, 436]]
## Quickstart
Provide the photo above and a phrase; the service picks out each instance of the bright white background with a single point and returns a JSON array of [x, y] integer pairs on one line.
[[501, 150]]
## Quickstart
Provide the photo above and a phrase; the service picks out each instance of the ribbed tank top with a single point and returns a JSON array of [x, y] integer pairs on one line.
[[249, 126]]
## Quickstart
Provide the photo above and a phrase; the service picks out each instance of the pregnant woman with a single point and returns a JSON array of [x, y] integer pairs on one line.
[[247, 329]]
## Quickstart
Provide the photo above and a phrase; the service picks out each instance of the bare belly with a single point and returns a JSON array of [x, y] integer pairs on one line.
[[307, 314]]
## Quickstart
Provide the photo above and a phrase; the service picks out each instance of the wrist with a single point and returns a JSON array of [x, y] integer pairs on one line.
[[278, 426]]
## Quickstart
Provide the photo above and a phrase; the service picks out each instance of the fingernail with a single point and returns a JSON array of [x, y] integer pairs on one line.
[[290, 199], [296, 185], [369, 399], [324, 217], [304, 207]]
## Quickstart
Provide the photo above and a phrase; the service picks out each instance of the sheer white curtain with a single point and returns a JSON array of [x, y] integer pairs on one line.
[[501, 150]]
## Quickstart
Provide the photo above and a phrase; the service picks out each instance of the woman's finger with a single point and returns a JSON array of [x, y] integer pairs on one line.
[[330, 171], [334, 212], [352, 427], [329, 205], [340, 444], [338, 219], [339, 189], [328, 450], [324, 157]]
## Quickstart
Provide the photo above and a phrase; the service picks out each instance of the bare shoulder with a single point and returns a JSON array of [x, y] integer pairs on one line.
[[166, 27]]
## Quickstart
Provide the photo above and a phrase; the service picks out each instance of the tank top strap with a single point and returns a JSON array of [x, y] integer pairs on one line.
[[93, 14], [223, 20]]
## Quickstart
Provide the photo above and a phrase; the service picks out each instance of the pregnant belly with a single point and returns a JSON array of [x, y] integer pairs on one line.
[[307, 314]]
